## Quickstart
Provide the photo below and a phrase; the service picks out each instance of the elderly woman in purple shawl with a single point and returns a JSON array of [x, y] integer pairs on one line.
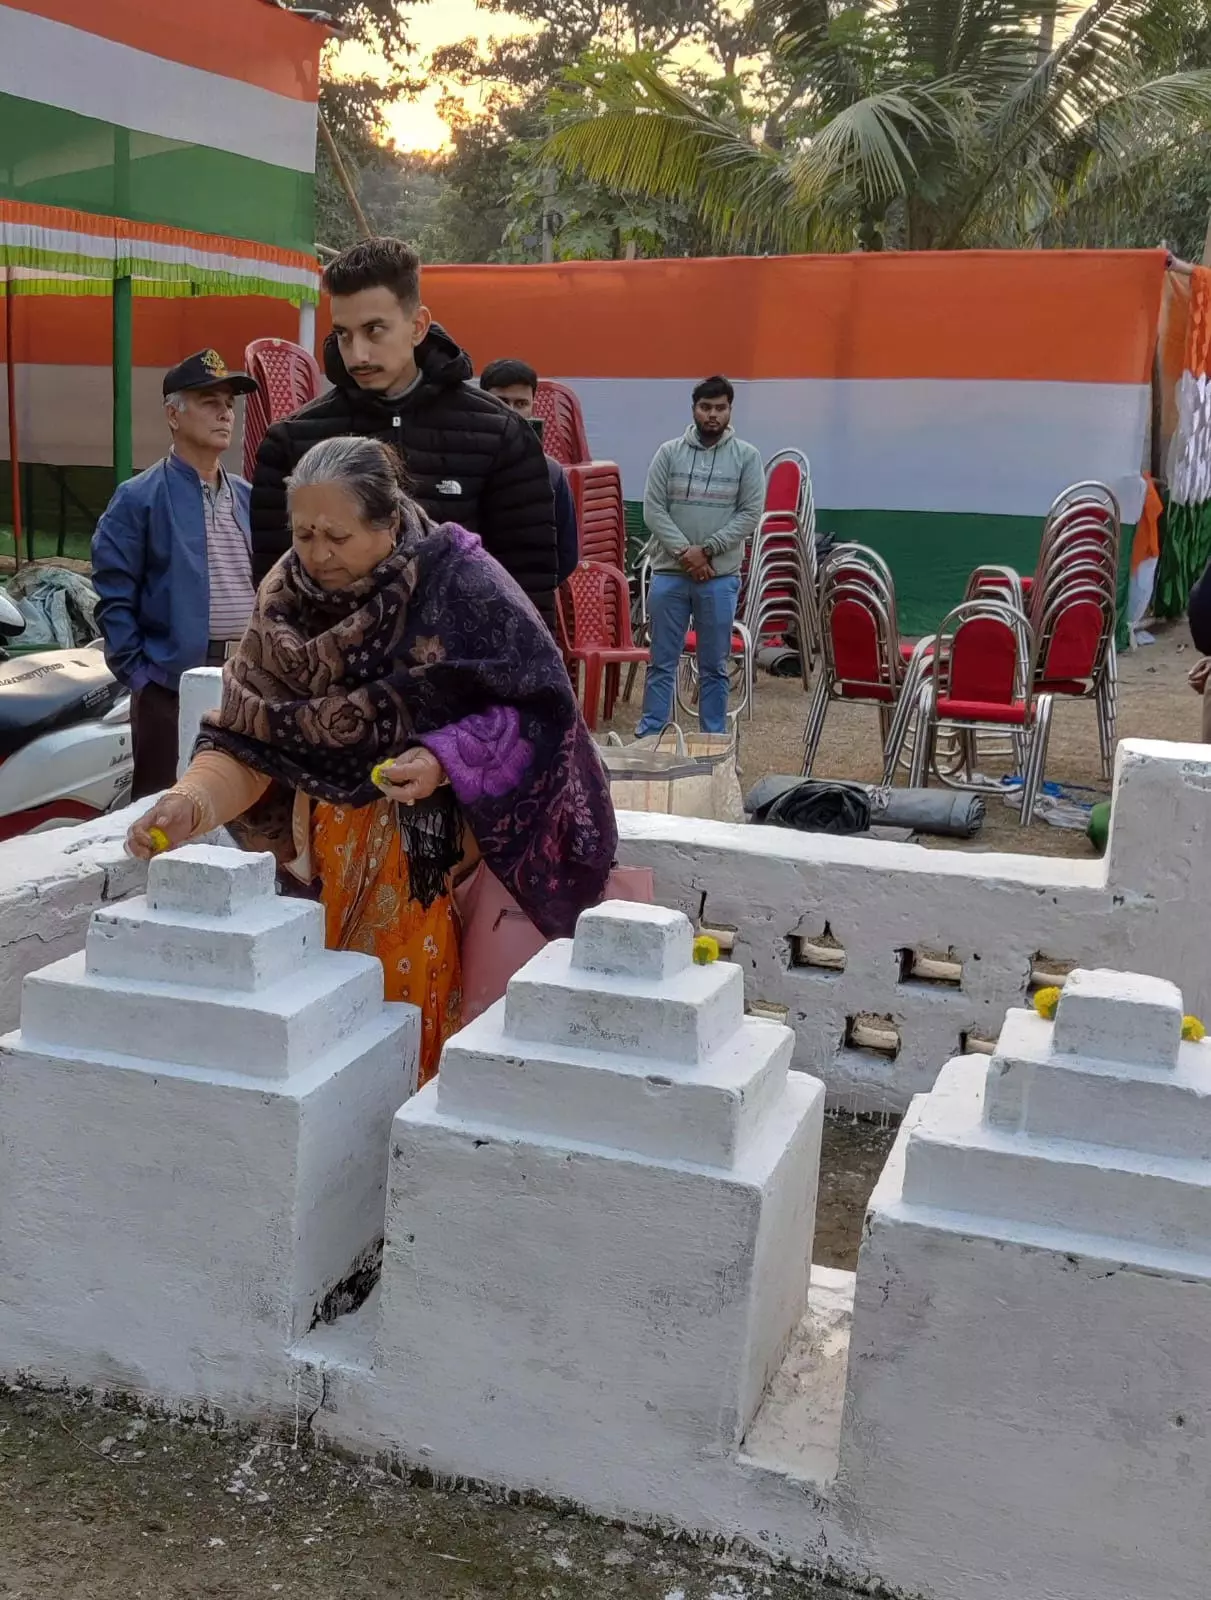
[[396, 712]]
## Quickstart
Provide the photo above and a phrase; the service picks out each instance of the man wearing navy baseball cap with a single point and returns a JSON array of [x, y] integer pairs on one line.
[[172, 563]]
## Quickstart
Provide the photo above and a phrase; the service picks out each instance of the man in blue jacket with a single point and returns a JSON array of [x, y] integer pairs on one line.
[[172, 562], [515, 384]]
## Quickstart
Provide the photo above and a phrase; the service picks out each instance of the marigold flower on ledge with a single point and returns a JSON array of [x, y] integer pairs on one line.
[[1045, 1003], [706, 949], [1193, 1030]]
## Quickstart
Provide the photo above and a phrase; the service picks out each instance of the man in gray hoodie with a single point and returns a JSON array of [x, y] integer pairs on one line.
[[704, 497]]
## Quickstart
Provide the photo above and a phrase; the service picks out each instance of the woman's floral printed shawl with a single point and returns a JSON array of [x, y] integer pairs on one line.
[[439, 647]]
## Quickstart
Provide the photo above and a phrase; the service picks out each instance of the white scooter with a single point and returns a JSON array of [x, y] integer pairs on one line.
[[66, 752]]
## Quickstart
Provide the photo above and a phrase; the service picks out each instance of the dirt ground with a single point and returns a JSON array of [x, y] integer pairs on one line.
[[97, 1504], [100, 1505], [1154, 703]]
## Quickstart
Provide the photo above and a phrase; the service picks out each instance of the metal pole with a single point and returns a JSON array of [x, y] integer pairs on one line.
[[124, 449], [307, 327], [14, 442], [123, 327]]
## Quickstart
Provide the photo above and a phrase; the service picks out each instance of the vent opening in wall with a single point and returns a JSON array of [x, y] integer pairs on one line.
[[877, 1035], [768, 1011], [1048, 972], [975, 1043], [821, 952], [934, 969]]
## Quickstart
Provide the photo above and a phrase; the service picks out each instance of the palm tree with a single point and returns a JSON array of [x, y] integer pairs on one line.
[[933, 124]]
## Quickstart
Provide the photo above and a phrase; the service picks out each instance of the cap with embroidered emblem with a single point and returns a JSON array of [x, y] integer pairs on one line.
[[206, 370]]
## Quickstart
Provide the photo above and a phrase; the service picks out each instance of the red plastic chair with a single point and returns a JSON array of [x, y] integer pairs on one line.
[[288, 378], [598, 633], [563, 434], [600, 513]]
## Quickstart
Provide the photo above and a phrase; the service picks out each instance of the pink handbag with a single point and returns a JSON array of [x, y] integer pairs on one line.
[[498, 938]]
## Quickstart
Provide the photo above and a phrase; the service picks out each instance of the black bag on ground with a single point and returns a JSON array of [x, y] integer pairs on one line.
[[812, 806]]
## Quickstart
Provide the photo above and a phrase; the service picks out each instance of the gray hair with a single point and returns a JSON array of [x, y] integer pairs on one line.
[[370, 470], [174, 402]]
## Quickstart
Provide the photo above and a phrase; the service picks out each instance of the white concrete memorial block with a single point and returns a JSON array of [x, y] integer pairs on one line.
[[194, 1114], [599, 1226], [644, 941], [1118, 1016], [1028, 1381]]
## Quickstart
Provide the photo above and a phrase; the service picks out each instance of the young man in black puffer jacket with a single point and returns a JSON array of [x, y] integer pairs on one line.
[[399, 377]]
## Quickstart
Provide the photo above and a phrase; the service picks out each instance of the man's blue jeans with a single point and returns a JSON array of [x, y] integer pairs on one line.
[[672, 602]]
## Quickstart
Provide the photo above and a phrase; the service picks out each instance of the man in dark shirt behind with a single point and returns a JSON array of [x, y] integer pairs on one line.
[[400, 378], [515, 383]]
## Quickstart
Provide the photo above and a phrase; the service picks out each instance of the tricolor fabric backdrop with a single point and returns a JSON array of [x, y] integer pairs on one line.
[[1187, 549], [943, 400], [156, 160]]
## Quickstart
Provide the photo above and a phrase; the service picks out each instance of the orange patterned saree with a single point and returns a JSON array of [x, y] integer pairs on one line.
[[358, 853]]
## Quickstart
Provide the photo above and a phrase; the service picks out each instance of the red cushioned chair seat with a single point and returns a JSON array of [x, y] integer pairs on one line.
[[867, 691], [1063, 686], [691, 644], [981, 711]]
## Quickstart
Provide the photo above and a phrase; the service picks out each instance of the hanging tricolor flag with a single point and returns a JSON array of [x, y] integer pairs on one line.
[[165, 147], [1187, 545], [187, 121]]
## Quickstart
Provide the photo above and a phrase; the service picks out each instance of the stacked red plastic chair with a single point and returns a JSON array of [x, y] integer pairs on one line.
[[563, 430], [594, 619], [287, 378]]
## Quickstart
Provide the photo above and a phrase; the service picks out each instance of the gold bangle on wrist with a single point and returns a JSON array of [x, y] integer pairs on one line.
[[203, 810]]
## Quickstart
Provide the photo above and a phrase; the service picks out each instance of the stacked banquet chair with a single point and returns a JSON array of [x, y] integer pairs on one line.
[[778, 594], [979, 675], [1070, 603], [288, 378], [863, 659], [777, 583]]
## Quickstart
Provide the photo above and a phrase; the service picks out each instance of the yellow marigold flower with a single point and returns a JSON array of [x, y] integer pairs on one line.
[[159, 839], [1193, 1030], [1045, 1003], [706, 949], [377, 777]]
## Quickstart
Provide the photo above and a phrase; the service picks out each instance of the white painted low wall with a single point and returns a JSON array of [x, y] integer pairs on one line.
[[1140, 909], [50, 885]]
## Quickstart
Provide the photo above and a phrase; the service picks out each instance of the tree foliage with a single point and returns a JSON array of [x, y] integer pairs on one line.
[[920, 123]]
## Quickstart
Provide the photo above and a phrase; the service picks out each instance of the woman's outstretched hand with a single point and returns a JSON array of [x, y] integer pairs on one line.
[[169, 823], [411, 777]]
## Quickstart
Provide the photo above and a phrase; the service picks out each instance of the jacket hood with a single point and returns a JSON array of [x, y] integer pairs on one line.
[[443, 363], [691, 438]]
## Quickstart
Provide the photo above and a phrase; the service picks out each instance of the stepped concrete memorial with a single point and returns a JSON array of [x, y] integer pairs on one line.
[[1029, 1394], [599, 1223], [193, 1130], [577, 1264]]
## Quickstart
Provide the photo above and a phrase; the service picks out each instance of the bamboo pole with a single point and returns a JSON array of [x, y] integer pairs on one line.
[[343, 178]]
